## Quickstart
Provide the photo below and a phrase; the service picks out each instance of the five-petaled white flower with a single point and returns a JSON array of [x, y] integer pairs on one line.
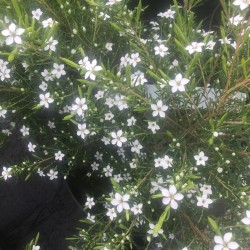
[[24, 130], [82, 130], [204, 201], [137, 209], [201, 159], [91, 69], [242, 3], [225, 243], [118, 139], [45, 99], [178, 83], [111, 213], [161, 50], [80, 106], [6, 173], [58, 70], [159, 109], [50, 44], [31, 147], [59, 155], [134, 59], [153, 127], [90, 202], [194, 47], [52, 174], [36, 14], [121, 202], [13, 34], [246, 220], [170, 196]]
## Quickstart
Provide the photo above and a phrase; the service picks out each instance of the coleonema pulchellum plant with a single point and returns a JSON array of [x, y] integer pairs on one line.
[[157, 113]]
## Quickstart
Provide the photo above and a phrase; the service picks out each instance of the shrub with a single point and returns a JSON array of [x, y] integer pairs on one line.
[[158, 111]]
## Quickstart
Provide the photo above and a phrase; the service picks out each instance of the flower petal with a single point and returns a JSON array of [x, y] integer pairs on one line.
[[174, 204], [9, 40], [227, 237], [233, 245], [218, 240]]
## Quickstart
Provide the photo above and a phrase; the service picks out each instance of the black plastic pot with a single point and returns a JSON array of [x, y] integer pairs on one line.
[[35, 205]]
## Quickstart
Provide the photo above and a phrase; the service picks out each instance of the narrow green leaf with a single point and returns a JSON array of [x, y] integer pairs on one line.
[[116, 26], [79, 90], [138, 12], [115, 185], [128, 75], [69, 62], [74, 122], [164, 216], [87, 82], [16, 8], [153, 75], [156, 196], [180, 34], [213, 224], [68, 117], [222, 119], [127, 215]]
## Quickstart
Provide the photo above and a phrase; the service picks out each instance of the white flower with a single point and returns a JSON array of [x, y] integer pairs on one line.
[[51, 125], [170, 196], [153, 127], [179, 83], [91, 217], [99, 94], [124, 60], [225, 243], [201, 159], [136, 147], [90, 202], [137, 209], [24, 130], [36, 14], [151, 231], [4, 73], [43, 86], [40, 172], [118, 138], [159, 109], [121, 202], [35, 247], [58, 70], [50, 44], [138, 78], [210, 45], [47, 75], [204, 201], [134, 59], [108, 46], [6, 173], [82, 130], [84, 62], [80, 106], [52, 174], [31, 147], [246, 220], [161, 50], [59, 155], [236, 20], [167, 14], [45, 100], [111, 213], [111, 2], [48, 23], [13, 34], [108, 171], [242, 3], [206, 189], [194, 47], [91, 69], [109, 116], [2, 112], [131, 121]]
